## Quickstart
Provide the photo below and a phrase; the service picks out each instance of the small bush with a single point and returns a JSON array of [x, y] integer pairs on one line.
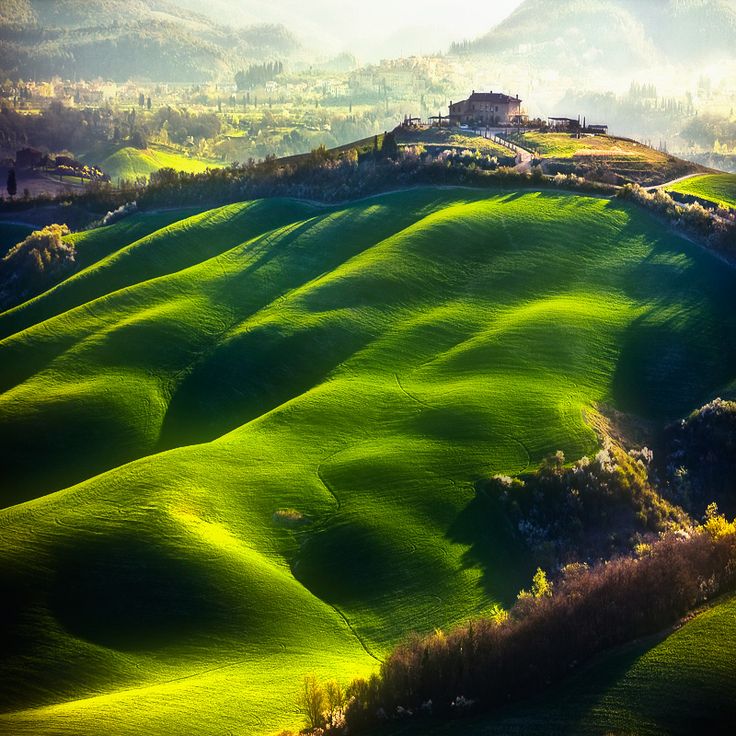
[[34, 264], [312, 702], [290, 517]]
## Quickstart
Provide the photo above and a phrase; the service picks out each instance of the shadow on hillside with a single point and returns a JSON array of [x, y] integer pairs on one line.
[[252, 374], [130, 594], [493, 547], [664, 371], [682, 350]]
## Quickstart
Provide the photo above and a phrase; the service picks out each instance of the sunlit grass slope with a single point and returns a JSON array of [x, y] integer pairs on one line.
[[362, 364], [627, 159], [681, 685], [133, 163], [718, 188], [564, 145]]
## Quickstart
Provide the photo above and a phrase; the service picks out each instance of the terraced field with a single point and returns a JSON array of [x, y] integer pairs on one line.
[[563, 145], [435, 140], [628, 159], [133, 163], [360, 366], [718, 188]]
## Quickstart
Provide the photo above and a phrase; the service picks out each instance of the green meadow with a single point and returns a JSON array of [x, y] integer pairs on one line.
[[241, 445], [564, 145], [718, 188]]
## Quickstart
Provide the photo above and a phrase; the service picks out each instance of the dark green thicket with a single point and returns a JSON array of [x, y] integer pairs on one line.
[[594, 509], [701, 458]]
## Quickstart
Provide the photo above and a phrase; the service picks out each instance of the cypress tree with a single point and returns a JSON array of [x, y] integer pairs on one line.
[[12, 184]]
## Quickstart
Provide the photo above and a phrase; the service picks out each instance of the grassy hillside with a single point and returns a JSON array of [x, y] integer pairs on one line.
[[564, 145], [131, 163], [627, 159], [362, 365], [718, 188]]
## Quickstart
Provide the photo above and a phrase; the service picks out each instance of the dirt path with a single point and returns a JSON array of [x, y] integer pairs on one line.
[[673, 182]]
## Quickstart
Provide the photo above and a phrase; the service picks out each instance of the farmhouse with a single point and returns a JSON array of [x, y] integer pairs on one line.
[[486, 108]]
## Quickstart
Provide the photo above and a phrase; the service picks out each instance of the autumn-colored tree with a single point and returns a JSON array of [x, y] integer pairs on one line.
[[312, 701]]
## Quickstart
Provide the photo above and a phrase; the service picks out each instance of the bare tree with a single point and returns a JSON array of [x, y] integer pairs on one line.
[[312, 701]]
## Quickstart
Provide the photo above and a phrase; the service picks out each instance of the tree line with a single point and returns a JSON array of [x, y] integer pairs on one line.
[[256, 75], [60, 128]]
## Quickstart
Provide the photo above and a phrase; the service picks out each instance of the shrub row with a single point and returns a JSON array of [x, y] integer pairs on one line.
[[551, 630], [716, 228]]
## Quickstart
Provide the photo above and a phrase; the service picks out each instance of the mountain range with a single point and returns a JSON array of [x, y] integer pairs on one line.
[[119, 40], [615, 34]]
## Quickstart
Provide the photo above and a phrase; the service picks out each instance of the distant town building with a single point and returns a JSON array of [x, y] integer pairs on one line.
[[565, 125], [486, 108]]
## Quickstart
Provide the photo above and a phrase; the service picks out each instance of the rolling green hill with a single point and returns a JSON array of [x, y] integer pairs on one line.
[[124, 39], [718, 188], [361, 364], [133, 163]]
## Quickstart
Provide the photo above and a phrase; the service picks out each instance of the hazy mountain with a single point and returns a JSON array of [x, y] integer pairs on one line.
[[122, 39], [86, 13], [616, 33], [379, 29]]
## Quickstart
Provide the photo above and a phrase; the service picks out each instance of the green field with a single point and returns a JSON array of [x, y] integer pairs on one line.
[[133, 163], [680, 685], [563, 145], [718, 188], [363, 364]]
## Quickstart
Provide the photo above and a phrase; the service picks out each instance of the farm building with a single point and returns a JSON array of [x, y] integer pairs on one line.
[[486, 108], [573, 125]]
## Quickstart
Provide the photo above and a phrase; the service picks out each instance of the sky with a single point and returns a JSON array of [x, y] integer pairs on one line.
[[381, 27]]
